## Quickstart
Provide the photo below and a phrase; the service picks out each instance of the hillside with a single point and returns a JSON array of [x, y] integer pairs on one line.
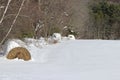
[[68, 60], [42, 18]]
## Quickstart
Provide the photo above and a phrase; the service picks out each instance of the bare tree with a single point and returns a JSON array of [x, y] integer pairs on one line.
[[37, 28], [52, 15], [55, 15], [12, 22]]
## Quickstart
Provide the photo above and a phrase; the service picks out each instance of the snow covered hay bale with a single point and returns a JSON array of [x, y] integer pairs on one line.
[[20, 53], [71, 37], [56, 37]]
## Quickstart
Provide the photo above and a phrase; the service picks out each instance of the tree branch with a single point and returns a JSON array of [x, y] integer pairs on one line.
[[5, 11], [13, 23]]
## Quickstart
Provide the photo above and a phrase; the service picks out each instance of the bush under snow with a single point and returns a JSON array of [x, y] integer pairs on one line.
[[35, 42]]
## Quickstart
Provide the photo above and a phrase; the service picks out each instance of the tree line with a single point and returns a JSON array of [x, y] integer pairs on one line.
[[36, 18], [42, 18], [105, 20]]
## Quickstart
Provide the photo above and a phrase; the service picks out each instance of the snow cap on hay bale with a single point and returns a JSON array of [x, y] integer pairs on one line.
[[12, 43], [20, 53], [71, 37]]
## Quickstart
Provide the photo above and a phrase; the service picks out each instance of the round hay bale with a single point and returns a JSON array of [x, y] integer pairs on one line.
[[71, 37], [20, 53], [55, 38]]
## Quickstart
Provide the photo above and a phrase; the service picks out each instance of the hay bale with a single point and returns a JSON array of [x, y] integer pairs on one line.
[[20, 53], [56, 37], [71, 37]]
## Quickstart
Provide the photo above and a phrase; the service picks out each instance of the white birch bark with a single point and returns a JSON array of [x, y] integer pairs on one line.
[[5, 11], [13, 22]]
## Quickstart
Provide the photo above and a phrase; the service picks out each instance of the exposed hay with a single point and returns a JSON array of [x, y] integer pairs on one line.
[[20, 53]]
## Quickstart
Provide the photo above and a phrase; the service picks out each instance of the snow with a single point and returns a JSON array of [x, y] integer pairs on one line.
[[12, 43], [68, 60], [35, 42], [71, 37]]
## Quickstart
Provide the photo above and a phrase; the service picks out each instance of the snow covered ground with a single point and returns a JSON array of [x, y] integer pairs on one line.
[[68, 60]]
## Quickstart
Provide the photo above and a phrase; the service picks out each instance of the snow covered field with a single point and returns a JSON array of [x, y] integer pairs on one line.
[[68, 60]]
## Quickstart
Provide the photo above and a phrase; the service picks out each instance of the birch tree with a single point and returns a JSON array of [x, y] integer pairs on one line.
[[11, 26]]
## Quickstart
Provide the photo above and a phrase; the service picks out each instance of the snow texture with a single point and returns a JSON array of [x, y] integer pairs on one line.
[[68, 60]]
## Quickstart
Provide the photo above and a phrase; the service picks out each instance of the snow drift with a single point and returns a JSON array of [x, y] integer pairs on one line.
[[68, 60]]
